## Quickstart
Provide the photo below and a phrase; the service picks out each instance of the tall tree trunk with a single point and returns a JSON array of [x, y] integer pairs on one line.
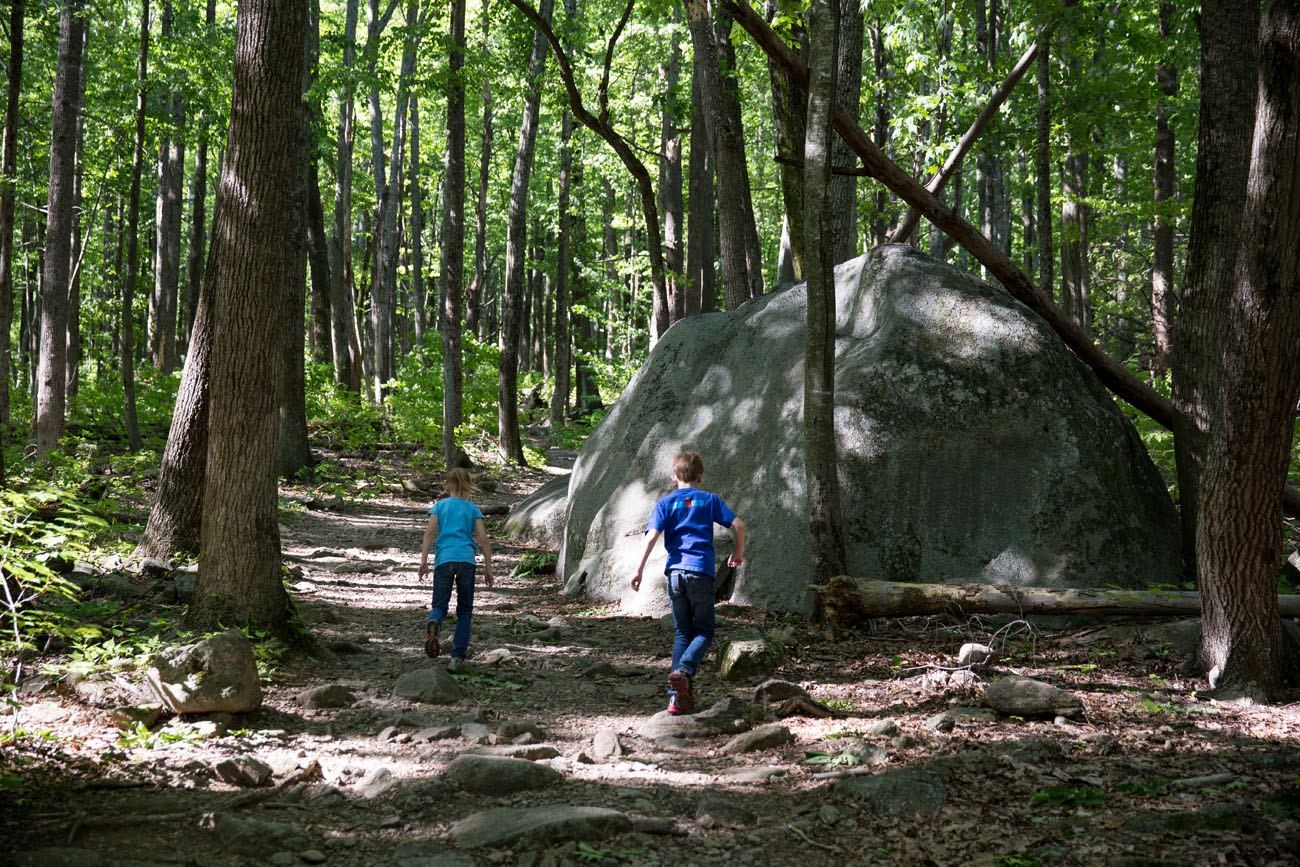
[[260, 212], [317, 243], [508, 439], [293, 449], [788, 110], [77, 252], [1229, 52], [821, 466], [1162, 254], [670, 180], [52, 372], [475, 297], [8, 176], [131, 277], [564, 264], [415, 241], [167, 224], [700, 239], [198, 212], [842, 195], [722, 117], [1043, 172], [1074, 234], [345, 337], [881, 132], [1243, 647], [453, 239]]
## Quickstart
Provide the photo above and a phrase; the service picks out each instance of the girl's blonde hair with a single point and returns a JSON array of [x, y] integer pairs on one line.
[[459, 483]]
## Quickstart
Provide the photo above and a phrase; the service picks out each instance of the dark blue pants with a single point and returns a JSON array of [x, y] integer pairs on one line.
[[462, 576], [691, 595]]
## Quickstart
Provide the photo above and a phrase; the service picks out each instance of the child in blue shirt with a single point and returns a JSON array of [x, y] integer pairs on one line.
[[685, 518], [457, 525]]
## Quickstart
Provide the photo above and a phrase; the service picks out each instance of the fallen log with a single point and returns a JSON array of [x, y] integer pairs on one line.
[[847, 601]]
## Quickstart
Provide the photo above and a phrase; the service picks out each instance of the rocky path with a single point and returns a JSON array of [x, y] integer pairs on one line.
[[877, 749]]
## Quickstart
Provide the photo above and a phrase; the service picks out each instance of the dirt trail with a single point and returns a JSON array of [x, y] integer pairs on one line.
[[367, 783]]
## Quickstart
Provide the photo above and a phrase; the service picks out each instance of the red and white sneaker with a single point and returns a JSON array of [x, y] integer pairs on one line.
[[673, 707], [680, 682]]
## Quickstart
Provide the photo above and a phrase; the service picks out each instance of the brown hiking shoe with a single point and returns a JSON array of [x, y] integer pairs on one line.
[[431, 640], [680, 683]]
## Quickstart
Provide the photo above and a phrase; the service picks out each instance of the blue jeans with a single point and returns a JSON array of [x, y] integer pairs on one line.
[[691, 595], [444, 576]]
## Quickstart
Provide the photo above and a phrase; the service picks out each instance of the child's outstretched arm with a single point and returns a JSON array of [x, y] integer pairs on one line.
[[738, 554], [651, 538], [484, 545], [430, 534]]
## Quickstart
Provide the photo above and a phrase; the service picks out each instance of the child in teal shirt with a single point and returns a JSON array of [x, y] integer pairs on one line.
[[457, 526]]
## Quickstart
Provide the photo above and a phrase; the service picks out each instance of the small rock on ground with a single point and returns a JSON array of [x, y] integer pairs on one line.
[[506, 826], [775, 690], [328, 696], [497, 775], [1026, 697], [762, 738], [244, 771], [428, 685], [255, 838], [905, 792]]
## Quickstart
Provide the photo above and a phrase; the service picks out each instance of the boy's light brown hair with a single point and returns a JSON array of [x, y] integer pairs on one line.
[[459, 483], [688, 467]]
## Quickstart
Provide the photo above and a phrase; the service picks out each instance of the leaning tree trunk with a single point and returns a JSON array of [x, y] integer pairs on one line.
[[821, 472], [167, 226], [8, 174], [453, 240], [508, 439], [1229, 49], [259, 217], [51, 376], [1238, 524], [1162, 241]]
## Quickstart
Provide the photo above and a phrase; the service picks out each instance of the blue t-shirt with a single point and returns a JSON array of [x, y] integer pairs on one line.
[[686, 518], [456, 519]]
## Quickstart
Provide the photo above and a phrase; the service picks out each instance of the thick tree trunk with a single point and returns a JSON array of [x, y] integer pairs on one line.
[[881, 131], [131, 278], [167, 227], [1074, 237], [453, 240], [722, 117], [789, 108], [670, 182], [293, 450], [1238, 526], [317, 243], [198, 213], [508, 438], [8, 175], [842, 195], [821, 471], [700, 242], [260, 213], [1162, 253], [1229, 50], [52, 371], [850, 600], [344, 334]]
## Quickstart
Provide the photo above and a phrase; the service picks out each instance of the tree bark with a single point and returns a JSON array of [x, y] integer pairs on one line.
[[670, 181], [1043, 174], [317, 243], [722, 117], [198, 212], [167, 225], [789, 109], [508, 438], [1229, 51], [842, 195], [344, 334], [259, 219], [1074, 236], [8, 176], [293, 449], [700, 242], [821, 471], [52, 371], [849, 600], [415, 239], [564, 263], [453, 239], [1238, 531], [77, 252], [131, 277], [1162, 244]]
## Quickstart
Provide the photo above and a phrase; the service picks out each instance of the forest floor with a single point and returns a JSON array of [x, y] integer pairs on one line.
[[1149, 773]]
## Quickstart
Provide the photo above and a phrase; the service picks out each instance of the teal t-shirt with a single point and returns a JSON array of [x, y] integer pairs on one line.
[[456, 519]]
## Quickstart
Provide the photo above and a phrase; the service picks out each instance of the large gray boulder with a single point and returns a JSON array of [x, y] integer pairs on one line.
[[217, 674], [539, 518], [972, 446]]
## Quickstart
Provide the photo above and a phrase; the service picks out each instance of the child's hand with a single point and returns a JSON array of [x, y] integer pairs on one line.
[[424, 571], [636, 581], [487, 578], [733, 561]]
